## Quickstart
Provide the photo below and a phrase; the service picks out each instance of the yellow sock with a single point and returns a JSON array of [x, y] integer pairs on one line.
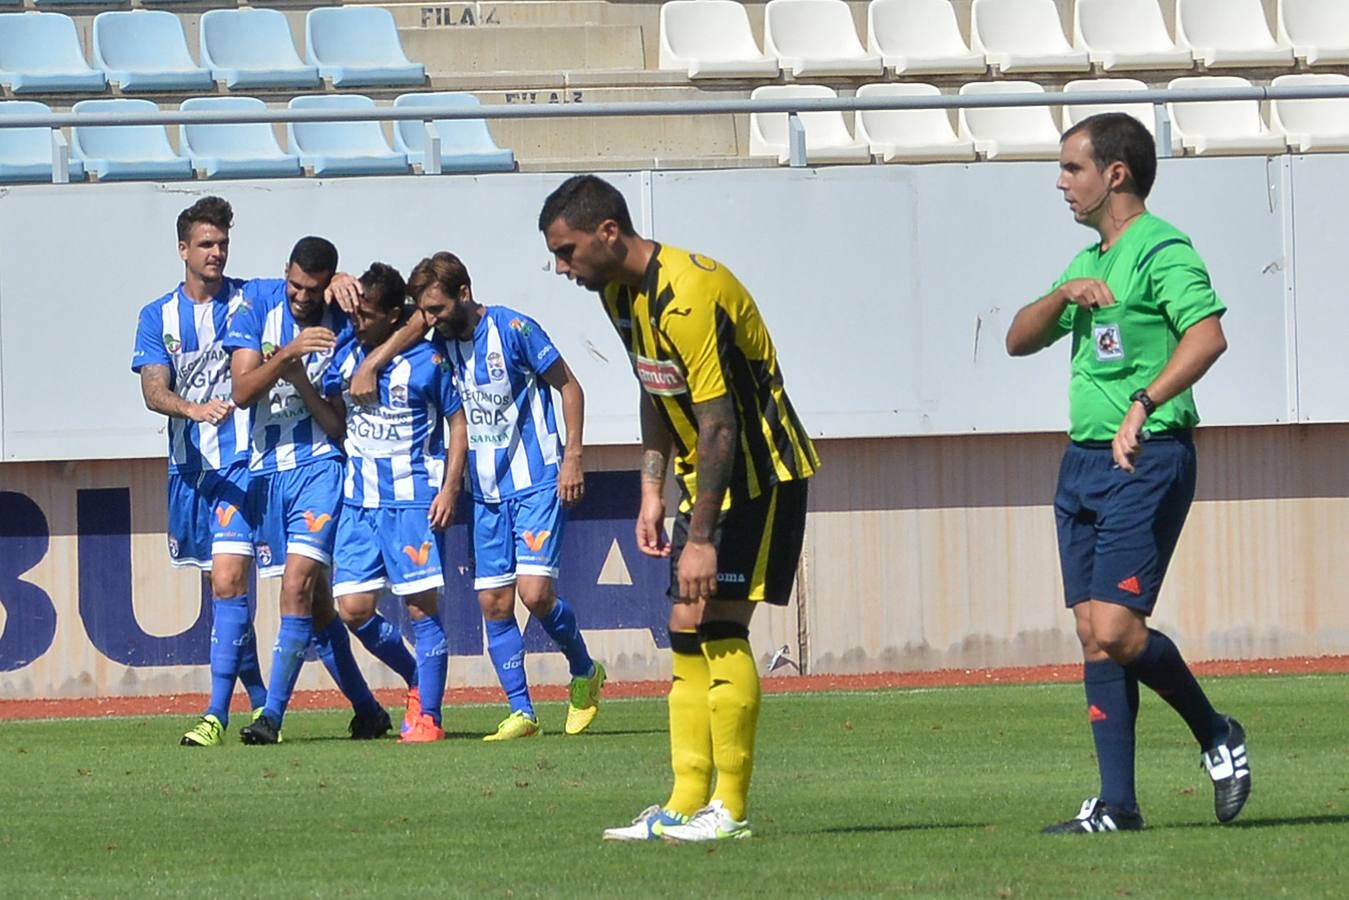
[[690, 726], [733, 701]]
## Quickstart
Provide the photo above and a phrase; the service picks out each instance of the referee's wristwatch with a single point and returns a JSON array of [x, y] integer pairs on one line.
[[1141, 397]]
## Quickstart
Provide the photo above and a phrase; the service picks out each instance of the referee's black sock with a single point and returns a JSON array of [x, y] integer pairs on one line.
[[1161, 667]]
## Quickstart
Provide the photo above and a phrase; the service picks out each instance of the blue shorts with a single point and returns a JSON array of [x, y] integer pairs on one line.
[[1117, 531], [295, 511], [393, 547], [520, 535], [207, 516]]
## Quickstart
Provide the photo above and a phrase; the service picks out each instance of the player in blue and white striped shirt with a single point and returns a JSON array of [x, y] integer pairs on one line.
[[185, 374], [522, 478], [400, 488]]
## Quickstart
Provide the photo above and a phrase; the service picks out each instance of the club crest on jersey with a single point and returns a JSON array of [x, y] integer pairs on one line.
[[522, 326], [398, 396], [268, 349], [702, 262], [660, 376], [496, 366], [171, 343]]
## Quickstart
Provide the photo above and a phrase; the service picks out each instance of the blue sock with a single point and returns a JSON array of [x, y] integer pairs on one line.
[[250, 670], [433, 663], [381, 638], [1112, 707], [292, 642], [560, 624], [1161, 667], [334, 648], [506, 646], [229, 630]]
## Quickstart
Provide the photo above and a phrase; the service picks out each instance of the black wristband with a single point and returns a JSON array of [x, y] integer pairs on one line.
[[1141, 396]]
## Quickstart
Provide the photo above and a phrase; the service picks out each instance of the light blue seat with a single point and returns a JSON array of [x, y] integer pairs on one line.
[[465, 144], [145, 50], [251, 47], [26, 153], [41, 53], [358, 45], [342, 148], [125, 152], [234, 151]]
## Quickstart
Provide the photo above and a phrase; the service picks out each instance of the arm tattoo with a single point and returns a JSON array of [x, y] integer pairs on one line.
[[717, 433], [653, 466]]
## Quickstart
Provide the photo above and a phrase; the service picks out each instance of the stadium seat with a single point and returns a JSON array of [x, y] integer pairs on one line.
[[145, 50], [816, 37], [711, 39], [41, 53], [1229, 34], [1023, 36], [465, 144], [1022, 132], [342, 148], [1127, 34], [249, 47], [125, 152], [1221, 127], [1143, 112], [909, 135], [234, 151], [1317, 30], [827, 137], [918, 37], [47, 4], [358, 45], [1312, 126], [26, 153]]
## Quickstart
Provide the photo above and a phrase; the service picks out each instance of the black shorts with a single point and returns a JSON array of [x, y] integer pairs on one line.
[[758, 546]]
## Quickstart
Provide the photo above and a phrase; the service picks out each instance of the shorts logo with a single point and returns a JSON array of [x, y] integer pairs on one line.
[[418, 555], [535, 541], [730, 578], [1108, 344], [264, 555], [1095, 714], [173, 547], [223, 514], [315, 523], [661, 376], [1131, 585]]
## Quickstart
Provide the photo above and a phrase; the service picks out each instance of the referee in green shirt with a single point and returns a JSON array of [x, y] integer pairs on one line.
[[1145, 326]]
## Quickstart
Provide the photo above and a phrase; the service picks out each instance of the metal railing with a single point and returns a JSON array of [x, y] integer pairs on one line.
[[1157, 98]]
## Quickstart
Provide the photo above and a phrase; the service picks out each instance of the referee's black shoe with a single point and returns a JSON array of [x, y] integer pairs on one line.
[[1096, 817], [371, 725], [1230, 770], [261, 730]]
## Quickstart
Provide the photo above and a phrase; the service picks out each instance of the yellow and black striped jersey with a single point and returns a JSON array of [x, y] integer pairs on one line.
[[695, 334]]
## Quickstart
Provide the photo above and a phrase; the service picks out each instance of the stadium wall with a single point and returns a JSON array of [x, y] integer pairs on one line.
[[930, 541]]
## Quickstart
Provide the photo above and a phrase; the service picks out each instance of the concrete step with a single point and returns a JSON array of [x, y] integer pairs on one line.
[[515, 48]]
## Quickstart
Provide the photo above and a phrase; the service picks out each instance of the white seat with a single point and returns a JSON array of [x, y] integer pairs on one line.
[[1143, 112], [909, 135], [1022, 132], [711, 39], [1229, 33], [827, 137], [1312, 126], [1317, 30], [815, 37], [1023, 36], [916, 37], [1127, 34], [1222, 127]]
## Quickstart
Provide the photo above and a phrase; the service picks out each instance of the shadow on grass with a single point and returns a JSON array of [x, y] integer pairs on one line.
[[1267, 822], [901, 827]]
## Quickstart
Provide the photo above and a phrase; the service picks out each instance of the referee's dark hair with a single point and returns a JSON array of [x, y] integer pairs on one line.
[[583, 202], [211, 210], [386, 285], [314, 256], [1119, 137]]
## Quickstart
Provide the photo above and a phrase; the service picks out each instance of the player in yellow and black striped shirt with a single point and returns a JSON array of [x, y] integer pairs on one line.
[[713, 396]]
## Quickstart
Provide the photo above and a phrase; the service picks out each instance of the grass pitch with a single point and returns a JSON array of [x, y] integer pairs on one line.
[[895, 793]]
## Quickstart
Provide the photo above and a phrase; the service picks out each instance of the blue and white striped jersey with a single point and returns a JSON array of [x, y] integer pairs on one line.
[[396, 450], [186, 337], [513, 443], [285, 435]]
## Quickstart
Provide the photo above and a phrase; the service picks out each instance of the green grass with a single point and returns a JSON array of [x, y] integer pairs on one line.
[[895, 793]]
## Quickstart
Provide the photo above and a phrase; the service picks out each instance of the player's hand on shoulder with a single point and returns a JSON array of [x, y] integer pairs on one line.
[[1088, 293], [345, 292]]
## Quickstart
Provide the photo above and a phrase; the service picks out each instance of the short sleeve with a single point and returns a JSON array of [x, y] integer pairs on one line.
[[245, 327], [693, 329], [1180, 284], [149, 349], [450, 402], [534, 350]]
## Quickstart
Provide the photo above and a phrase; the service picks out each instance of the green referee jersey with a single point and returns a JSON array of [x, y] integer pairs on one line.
[[1161, 288]]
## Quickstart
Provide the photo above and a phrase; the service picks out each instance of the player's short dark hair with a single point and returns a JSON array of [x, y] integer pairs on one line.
[[211, 210], [583, 202], [445, 270], [1119, 137], [383, 283], [314, 256]]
